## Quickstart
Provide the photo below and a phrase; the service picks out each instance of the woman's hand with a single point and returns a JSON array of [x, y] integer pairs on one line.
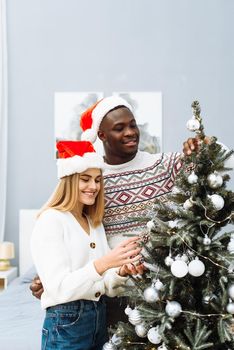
[[127, 252], [131, 269]]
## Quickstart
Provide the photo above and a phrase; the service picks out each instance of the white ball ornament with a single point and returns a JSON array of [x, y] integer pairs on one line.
[[206, 240], [154, 336], [173, 309], [230, 246], [188, 204], [184, 258], [158, 285], [215, 180], [179, 268], [196, 268], [168, 260], [162, 347], [150, 225], [135, 317], [151, 295], [217, 201], [141, 330], [192, 178], [127, 310], [231, 291], [230, 308], [193, 124]]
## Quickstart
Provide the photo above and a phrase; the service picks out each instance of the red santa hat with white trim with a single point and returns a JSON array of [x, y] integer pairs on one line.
[[76, 157], [91, 119]]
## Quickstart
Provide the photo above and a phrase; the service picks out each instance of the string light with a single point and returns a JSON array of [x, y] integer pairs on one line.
[[204, 315], [205, 257]]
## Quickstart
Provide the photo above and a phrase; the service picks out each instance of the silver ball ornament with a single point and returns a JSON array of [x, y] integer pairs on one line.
[[141, 330], [173, 309], [151, 295], [196, 268], [214, 180], [230, 308], [231, 291], [179, 268], [154, 336], [193, 124], [135, 317], [192, 178], [162, 347], [217, 201]]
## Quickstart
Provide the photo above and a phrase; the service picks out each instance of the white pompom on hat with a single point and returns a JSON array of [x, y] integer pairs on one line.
[[76, 157], [91, 119]]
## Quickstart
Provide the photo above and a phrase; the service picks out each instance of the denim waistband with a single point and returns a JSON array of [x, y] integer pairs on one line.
[[75, 305]]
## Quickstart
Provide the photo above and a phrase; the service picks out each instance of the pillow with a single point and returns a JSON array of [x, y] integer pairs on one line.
[[29, 275]]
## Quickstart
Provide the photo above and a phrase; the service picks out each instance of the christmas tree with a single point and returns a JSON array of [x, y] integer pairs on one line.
[[185, 300]]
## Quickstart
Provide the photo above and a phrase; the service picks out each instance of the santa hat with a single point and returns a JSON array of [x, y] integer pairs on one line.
[[91, 119], [76, 157]]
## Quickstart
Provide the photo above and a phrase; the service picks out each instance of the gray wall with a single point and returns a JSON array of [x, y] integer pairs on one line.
[[183, 48]]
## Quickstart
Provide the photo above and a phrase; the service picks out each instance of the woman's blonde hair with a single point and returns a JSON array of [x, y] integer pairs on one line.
[[66, 195]]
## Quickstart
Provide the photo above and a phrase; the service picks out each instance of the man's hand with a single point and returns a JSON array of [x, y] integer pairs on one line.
[[36, 287], [192, 145]]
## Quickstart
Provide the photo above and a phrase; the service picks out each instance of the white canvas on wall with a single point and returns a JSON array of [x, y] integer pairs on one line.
[[147, 109]]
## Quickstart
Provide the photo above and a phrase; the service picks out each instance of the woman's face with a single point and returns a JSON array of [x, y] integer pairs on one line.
[[89, 185]]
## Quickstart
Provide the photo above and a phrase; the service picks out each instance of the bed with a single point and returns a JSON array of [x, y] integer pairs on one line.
[[21, 316]]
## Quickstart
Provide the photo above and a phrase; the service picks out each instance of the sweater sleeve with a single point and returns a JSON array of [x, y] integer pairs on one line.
[[113, 282], [53, 263]]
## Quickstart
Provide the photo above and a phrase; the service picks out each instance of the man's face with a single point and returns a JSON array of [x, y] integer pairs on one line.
[[119, 132]]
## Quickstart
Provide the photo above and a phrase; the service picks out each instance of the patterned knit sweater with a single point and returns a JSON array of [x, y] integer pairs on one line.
[[131, 190]]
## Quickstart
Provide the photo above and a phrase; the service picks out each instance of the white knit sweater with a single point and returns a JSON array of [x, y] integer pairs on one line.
[[64, 253]]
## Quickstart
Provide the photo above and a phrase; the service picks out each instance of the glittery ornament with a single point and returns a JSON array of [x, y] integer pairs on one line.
[[141, 330], [151, 295], [179, 268], [135, 317], [196, 268], [217, 201], [192, 178], [193, 124], [214, 180], [154, 336], [173, 309]]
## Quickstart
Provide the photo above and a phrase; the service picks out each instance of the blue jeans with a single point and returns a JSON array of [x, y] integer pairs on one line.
[[77, 325]]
